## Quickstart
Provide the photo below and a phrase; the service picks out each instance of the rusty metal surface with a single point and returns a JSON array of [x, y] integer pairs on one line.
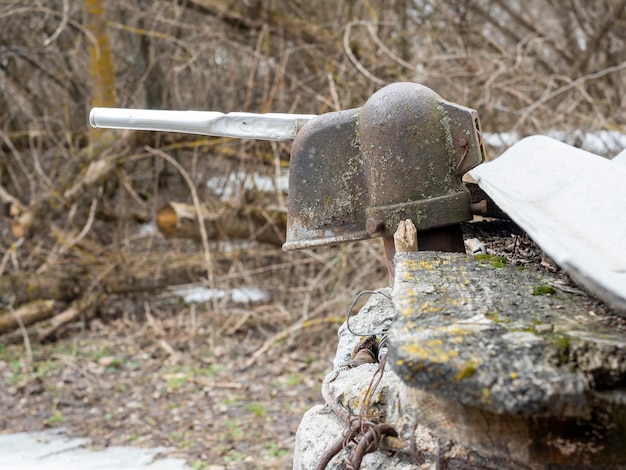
[[326, 191], [415, 147], [356, 174]]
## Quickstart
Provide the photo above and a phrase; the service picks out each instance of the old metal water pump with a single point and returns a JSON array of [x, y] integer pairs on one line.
[[355, 174]]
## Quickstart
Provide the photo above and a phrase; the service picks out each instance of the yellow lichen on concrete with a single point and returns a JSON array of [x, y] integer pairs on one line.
[[406, 312], [417, 265], [457, 301], [410, 326], [452, 330], [452, 333], [428, 307], [486, 396], [466, 370], [409, 299], [435, 354]]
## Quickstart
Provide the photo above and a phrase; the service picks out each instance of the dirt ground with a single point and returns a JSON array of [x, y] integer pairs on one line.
[[169, 381], [224, 386]]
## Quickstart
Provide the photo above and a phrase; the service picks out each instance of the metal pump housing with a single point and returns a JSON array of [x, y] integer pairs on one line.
[[355, 174]]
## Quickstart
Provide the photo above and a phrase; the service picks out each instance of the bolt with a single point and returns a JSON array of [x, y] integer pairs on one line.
[[373, 225], [463, 142]]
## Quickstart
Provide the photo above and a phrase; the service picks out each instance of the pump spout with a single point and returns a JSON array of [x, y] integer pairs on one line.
[[270, 126]]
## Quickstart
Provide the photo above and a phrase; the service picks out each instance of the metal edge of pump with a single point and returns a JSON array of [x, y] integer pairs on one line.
[[327, 197]]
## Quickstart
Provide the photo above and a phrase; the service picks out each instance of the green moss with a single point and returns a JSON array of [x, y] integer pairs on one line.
[[529, 329], [486, 396], [562, 342], [275, 450], [257, 409], [563, 346], [543, 290], [495, 317], [56, 418], [532, 328], [495, 261]]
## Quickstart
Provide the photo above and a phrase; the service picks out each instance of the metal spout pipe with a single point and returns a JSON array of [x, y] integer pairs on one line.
[[270, 126]]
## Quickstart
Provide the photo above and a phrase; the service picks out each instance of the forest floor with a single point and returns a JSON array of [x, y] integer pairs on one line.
[[151, 384], [171, 380], [159, 372]]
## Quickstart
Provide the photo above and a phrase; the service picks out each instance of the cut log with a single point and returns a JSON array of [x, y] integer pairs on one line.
[[222, 220], [29, 313], [56, 285], [139, 272]]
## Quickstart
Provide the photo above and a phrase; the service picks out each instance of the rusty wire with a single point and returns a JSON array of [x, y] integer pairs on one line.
[[356, 299], [360, 429], [369, 442]]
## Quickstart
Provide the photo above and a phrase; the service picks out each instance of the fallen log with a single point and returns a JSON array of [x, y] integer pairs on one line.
[[85, 286], [27, 314], [222, 220], [135, 272], [55, 284]]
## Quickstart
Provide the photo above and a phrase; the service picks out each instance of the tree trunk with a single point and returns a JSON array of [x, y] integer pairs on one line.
[[102, 69]]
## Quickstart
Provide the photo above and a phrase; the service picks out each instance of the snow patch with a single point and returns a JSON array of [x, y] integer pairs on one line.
[[606, 143], [147, 229], [229, 187], [238, 295], [53, 449]]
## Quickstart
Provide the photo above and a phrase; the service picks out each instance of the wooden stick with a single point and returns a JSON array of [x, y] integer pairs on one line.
[[28, 314], [84, 306], [405, 238]]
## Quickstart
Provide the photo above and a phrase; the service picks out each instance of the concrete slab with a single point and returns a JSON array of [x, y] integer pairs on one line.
[[503, 361]]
